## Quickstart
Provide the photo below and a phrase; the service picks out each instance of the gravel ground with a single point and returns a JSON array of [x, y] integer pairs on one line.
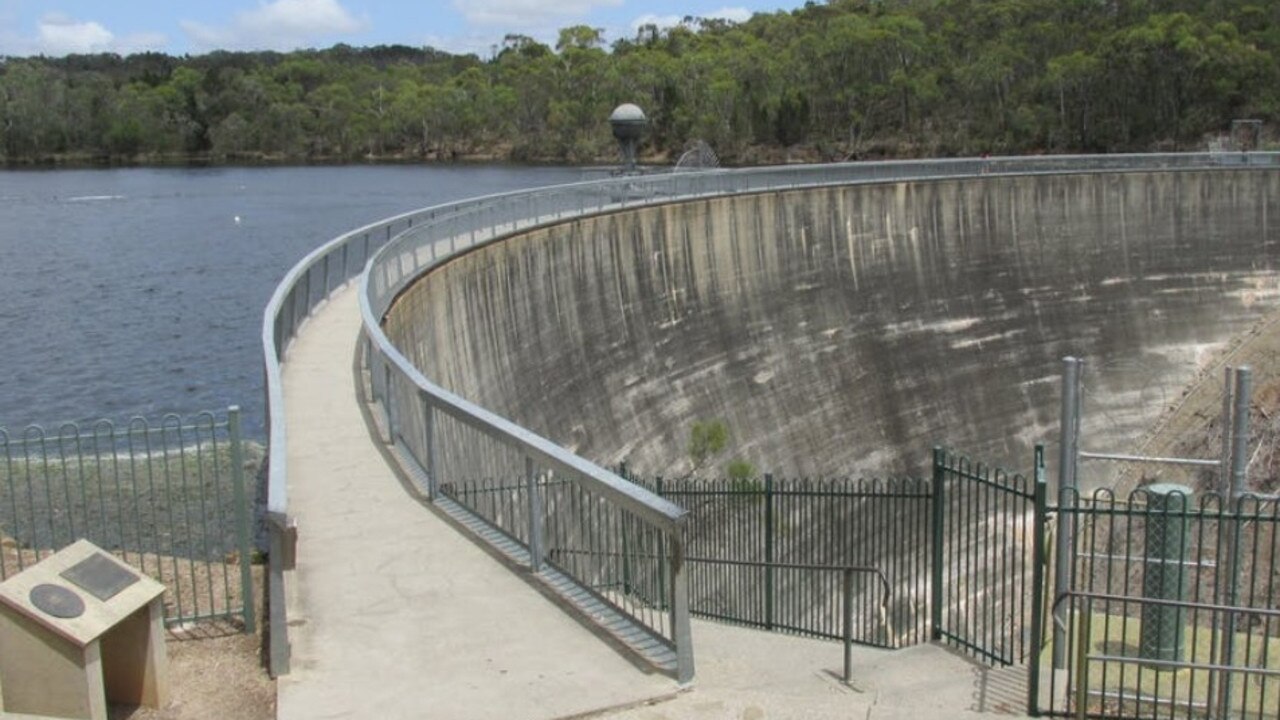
[[215, 671]]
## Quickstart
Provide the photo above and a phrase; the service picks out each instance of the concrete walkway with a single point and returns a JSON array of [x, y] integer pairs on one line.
[[754, 675], [399, 615]]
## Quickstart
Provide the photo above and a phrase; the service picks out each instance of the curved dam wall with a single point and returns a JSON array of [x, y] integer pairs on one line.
[[847, 330]]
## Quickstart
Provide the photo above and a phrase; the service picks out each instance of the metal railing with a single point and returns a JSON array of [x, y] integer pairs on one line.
[[409, 245], [1210, 603], [758, 547], [168, 497], [1110, 678]]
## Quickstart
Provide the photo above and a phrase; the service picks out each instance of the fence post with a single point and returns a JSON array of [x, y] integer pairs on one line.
[[768, 551], [681, 633], [847, 585], [1064, 546], [936, 517], [242, 518], [535, 516], [1038, 557], [662, 550], [1239, 465]]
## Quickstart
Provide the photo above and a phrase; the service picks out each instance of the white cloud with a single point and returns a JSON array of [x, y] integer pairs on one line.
[[58, 34], [732, 14], [480, 45], [526, 13], [278, 25]]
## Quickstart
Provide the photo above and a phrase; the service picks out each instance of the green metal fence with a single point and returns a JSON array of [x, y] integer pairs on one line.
[[167, 496], [1172, 610]]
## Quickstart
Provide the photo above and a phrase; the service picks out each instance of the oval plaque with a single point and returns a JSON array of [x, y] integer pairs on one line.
[[57, 601]]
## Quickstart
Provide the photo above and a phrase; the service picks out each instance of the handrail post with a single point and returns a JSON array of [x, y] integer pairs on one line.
[[429, 446], [242, 518], [681, 633], [848, 624], [388, 404], [535, 516], [936, 518], [1038, 559]]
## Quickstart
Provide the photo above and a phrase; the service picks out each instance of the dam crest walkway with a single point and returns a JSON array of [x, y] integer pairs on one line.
[[395, 613]]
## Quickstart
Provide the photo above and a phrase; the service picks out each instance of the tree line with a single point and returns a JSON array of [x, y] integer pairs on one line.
[[833, 80]]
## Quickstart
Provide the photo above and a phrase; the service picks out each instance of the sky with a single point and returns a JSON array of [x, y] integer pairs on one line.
[[61, 27]]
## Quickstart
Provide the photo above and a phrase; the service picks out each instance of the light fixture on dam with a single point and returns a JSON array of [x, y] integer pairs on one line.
[[628, 123]]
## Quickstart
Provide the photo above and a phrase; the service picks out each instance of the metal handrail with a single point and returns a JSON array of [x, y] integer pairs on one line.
[[846, 590], [490, 218]]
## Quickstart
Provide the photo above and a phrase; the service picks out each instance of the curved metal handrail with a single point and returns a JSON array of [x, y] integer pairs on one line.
[[410, 244]]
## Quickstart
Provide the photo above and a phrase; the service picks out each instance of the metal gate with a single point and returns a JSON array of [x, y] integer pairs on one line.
[[988, 538]]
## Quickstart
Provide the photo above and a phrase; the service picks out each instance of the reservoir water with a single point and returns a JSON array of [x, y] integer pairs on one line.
[[140, 291]]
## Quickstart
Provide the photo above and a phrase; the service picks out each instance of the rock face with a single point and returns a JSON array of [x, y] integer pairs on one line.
[[847, 330]]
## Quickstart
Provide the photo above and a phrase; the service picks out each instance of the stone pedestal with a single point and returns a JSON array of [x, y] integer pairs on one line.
[[79, 629]]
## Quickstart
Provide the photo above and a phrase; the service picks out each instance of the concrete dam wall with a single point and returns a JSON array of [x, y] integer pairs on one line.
[[847, 330]]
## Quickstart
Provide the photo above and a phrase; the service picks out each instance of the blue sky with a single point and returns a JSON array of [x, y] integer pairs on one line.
[[59, 27]]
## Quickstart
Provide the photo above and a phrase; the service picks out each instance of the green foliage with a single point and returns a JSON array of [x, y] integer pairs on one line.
[[706, 439], [832, 80], [743, 476]]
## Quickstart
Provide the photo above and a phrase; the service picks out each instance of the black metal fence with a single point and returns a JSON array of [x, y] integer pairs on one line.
[[1172, 609], [768, 552], [989, 530]]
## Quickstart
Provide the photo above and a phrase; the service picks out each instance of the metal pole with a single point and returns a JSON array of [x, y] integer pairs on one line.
[[1037, 584], [768, 551], [936, 519], [1068, 433], [1226, 422], [848, 624], [535, 516], [386, 398], [1239, 466], [242, 518], [429, 430], [1083, 637], [681, 632]]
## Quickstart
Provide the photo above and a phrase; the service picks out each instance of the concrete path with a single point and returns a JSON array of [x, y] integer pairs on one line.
[[746, 674], [397, 614]]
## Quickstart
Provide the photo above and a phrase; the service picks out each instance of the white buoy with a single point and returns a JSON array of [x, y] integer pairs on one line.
[[237, 219]]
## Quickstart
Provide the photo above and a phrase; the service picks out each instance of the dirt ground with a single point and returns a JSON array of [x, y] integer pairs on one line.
[[1191, 427], [215, 671]]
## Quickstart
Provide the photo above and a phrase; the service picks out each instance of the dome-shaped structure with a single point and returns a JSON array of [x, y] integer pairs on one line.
[[628, 123]]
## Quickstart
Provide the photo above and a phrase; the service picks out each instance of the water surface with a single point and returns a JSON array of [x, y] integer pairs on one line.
[[140, 291]]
